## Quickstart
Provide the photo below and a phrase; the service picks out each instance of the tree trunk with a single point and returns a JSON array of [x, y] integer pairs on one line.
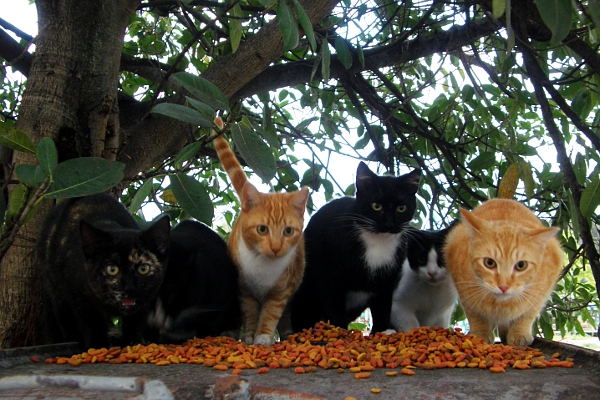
[[70, 97]]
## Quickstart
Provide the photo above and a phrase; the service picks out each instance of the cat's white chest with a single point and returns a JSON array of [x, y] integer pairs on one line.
[[380, 248], [261, 273]]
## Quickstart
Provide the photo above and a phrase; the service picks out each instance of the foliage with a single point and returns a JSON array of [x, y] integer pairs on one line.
[[398, 84]]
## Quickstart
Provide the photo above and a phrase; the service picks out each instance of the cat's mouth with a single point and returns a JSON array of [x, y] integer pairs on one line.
[[128, 302]]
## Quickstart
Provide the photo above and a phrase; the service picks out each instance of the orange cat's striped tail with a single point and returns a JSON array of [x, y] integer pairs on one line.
[[229, 161]]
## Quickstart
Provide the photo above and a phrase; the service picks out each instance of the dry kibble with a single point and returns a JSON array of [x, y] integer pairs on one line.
[[328, 347], [375, 390]]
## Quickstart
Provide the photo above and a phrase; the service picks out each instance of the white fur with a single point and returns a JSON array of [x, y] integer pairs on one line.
[[380, 248], [261, 272], [421, 299]]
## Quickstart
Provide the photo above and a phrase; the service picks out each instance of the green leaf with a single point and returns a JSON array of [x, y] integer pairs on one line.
[[590, 198], [582, 103], [140, 195], [527, 176], [182, 113], [343, 52], [235, 27], [193, 197], [361, 55], [498, 7], [85, 176], [325, 59], [485, 160], [201, 107], [254, 151], [267, 3], [47, 155], [30, 175], [18, 197], [287, 25], [557, 15], [187, 153], [15, 139], [305, 24], [202, 90]]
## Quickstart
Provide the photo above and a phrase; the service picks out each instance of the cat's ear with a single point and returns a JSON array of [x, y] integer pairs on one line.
[[157, 236], [299, 201], [411, 181], [93, 239], [364, 177], [250, 196], [543, 235], [473, 223]]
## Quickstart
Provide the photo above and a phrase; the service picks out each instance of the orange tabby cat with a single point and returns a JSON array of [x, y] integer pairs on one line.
[[504, 263], [267, 245]]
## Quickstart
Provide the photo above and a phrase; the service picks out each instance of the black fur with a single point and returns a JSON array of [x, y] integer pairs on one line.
[[97, 264], [199, 296], [335, 251]]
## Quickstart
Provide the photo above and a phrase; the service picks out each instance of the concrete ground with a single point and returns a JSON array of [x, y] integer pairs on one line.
[[23, 379]]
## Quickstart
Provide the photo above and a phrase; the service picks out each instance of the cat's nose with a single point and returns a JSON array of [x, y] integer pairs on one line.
[[433, 275], [503, 288]]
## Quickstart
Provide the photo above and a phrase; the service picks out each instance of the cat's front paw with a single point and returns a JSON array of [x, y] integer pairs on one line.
[[264, 339], [519, 338], [248, 337], [487, 335]]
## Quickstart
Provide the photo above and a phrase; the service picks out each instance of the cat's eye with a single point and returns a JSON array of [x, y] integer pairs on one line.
[[262, 229], [288, 231], [377, 206], [143, 269], [112, 270], [400, 209], [489, 263], [521, 265]]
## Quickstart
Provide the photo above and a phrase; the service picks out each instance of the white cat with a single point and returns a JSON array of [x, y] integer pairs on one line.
[[425, 295]]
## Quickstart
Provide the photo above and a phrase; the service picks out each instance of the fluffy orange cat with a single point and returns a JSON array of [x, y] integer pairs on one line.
[[504, 263], [267, 245]]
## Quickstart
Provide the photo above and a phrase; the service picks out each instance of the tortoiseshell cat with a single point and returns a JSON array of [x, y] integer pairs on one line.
[[504, 263], [267, 245], [355, 248], [199, 295], [97, 264]]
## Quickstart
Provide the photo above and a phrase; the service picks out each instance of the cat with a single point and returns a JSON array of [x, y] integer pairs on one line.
[[199, 295], [355, 248], [97, 264], [504, 263], [425, 295], [267, 246]]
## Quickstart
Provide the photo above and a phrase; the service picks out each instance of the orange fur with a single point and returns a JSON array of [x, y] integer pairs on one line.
[[486, 253], [267, 245]]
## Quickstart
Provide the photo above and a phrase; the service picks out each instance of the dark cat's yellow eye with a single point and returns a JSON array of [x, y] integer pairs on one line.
[[377, 206], [400, 209], [112, 270], [288, 231], [489, 263], [521, 265], [262, 229], [143, 269]]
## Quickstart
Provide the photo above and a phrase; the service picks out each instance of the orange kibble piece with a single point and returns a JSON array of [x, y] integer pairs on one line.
[[221, 367], [497, 369], [407, 371], [362, 375], [375, 390], [299, 370], [391, 373], [262, 370]]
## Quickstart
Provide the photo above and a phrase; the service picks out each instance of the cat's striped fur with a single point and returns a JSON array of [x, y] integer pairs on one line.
[[267, 246]]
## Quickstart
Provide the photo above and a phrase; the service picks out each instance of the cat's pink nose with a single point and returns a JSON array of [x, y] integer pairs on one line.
[[503, 288], [432, 274]]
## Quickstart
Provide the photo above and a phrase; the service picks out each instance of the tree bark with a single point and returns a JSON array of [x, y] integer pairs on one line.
[[70, 97], [157, 137]]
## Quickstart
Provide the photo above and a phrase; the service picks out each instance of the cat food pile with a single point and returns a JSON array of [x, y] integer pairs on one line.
[[330, 347]]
